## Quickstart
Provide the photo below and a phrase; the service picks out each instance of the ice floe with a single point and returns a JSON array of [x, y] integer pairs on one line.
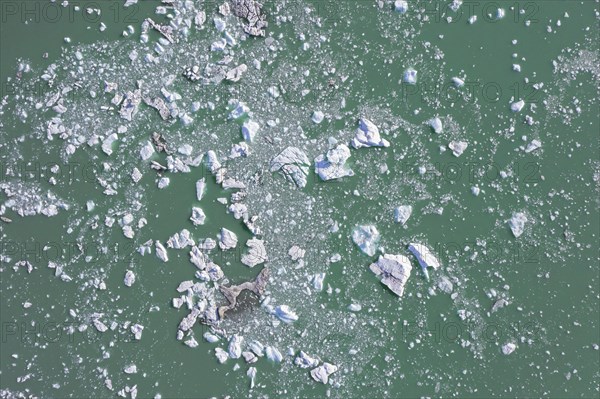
[[394, 271]]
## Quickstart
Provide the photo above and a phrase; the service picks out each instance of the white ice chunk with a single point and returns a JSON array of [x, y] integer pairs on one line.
[[517, 223], [402, 213], [129, 278], [410, 76], [322, 373], [401, 6], [198, 217], [367, 135], [394, 270], [161, 252], [227, 239], [293, 164], [458, 147], [436, 125], [517, 106], [285, 314], [332, 165], [508, 348], [257, 253], [366, 238], [235, 346], [249, 130], [317, 117], [425, 257]]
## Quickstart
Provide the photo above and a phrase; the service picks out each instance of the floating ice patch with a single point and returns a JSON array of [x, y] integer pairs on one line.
[[293, 164], [305, 361], [401, 6], [235, 346], [317, 117], [458, 82], [285, 314], [424, 256], [257, 253], [129, 278], [198, 217], [366, 238], [534, 145], [458, 147], [508, 348], [273, 354], [146, 151], [161, 252], [394, 271], [517, 106], [332, 165], [367, 135], [410, 76], [181, 240], [402, 213], [227, 239], [322, 373], [436, 125], [239, 109], [517, 223], [249, 130]]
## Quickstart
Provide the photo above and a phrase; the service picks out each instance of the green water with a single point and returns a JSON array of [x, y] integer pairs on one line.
[[410, 347]]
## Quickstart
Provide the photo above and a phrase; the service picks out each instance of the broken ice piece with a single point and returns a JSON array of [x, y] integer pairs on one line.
[[181, 240], [161, 252], [235, 346], [401, 6], [517, 106], [235, 74], [136, 330], [251, 371], [257, 253], [249, 130], [458, 147], [367, 135], [295, 252], [366, 238], [436, 125], [200, 188], [305, 361], [198, 217], [239, 109], [285, 314], [227, 239], [317, 117], [458, 82], [534, 145], [508, 348], [131, 369], [322, 373], [318, 281], [410, 76], [402, 213], [424, 256], [211, 338], [293, 164], [163, 182], [129, 278], [332, 165], [273, 354], [146, 151], [517, 223], [221, 355], [395, 271]]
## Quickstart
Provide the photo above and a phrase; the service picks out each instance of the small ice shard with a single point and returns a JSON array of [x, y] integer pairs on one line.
[[161, 252], [436, 125], [322, 373], [366, 238], [332, 165], [475, 190], [355, 307], [200, 188], [295, 253], [257, 348], [210, 338], [500, 13], [212, 162], [129, 278], [146, 151], [239, 109], [181, 240], [100, 326], [458, 82], [249, 357], [107, 143], [249, 130], [410, 76], [402, 213], [445, 285], [257, 253], [317, 117], [534, 145], [285, 314], [273, 354], [131, 369], [401, 6], [235, 346], [191, 342], [163, 182], [305, 361], [198, 217], [251, 371], [424, 256], [517, 106], [221, 355], [516, 67], [227, 239], [235, 74], [318, 281], [367, 135], [137, 330], [395, 271], [508, 348], [293, 164], [517, 223], [458, 147]]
